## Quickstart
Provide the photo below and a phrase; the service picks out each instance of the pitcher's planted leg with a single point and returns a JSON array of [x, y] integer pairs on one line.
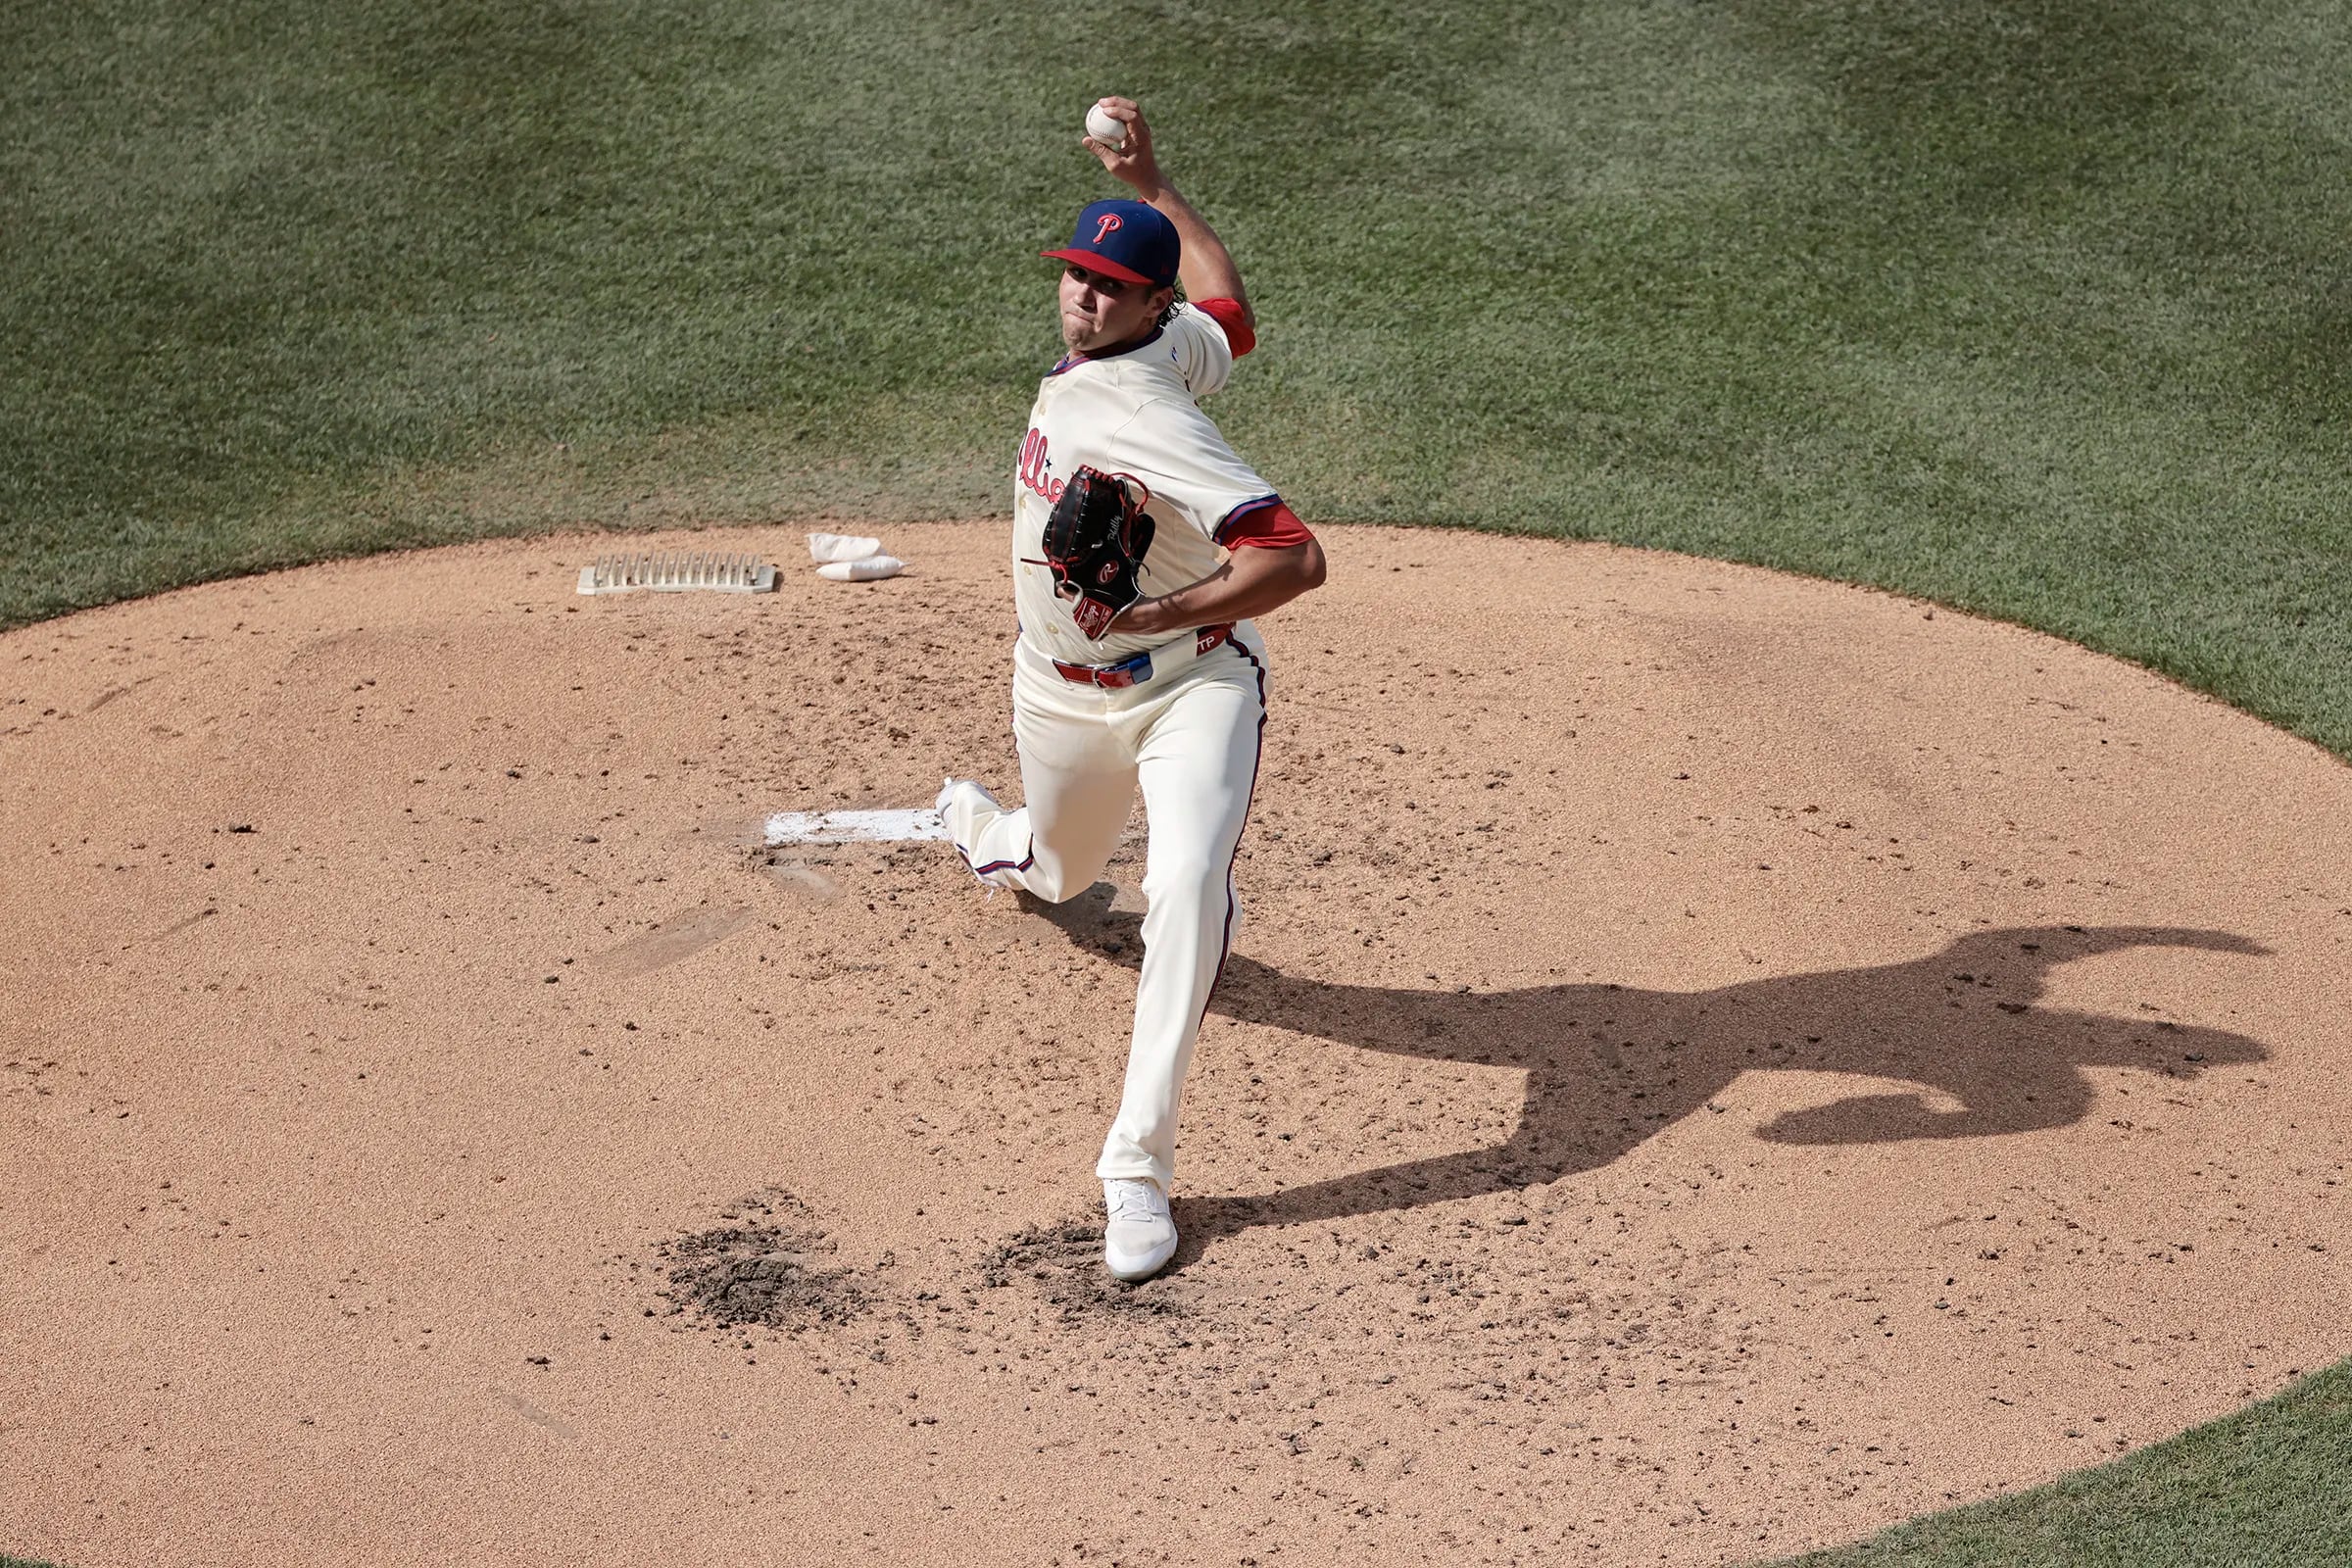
[[1199, 765]]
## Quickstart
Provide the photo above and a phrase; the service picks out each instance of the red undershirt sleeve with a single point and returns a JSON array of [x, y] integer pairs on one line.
[[1234, 319], [1266, 525]]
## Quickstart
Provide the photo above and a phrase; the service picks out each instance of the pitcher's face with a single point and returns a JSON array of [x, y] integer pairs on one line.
[[1099, 311]]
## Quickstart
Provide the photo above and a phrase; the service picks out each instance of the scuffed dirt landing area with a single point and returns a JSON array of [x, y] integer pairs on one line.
[[1713, 1064], [764, 1265]]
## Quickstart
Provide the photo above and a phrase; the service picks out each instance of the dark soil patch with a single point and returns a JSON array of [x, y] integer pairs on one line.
[[768, 1267], [1062, 1262]]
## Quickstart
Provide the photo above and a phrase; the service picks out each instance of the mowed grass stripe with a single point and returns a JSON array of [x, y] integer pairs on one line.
[[2029, 307]]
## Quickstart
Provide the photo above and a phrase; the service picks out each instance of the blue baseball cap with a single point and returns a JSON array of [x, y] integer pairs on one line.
[[1124, 239]]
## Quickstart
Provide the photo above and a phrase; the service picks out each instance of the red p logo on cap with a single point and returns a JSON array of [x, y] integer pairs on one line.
[[1124, 239]]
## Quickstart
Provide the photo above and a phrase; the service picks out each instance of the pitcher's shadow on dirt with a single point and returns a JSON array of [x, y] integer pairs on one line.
[[1609, 1065]]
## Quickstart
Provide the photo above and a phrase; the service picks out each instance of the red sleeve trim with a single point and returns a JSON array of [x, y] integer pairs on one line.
[[1234, 318], [1266, 525]]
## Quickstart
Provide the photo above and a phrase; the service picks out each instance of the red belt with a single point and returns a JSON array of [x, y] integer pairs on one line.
[[1137, 670]]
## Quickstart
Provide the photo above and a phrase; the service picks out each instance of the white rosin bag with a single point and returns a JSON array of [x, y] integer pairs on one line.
[[852, 558], [869, 569]]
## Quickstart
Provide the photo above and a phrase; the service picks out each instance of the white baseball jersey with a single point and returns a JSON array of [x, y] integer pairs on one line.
[[1136, 413]]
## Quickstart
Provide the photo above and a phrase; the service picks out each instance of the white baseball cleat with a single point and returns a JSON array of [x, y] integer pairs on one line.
[[1140, 1236], [960, 800], [953, 792]]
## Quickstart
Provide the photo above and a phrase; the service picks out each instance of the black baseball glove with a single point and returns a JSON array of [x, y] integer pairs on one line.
[[1095, 545]]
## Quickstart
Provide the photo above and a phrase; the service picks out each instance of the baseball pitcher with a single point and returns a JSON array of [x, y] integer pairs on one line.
[[1141, 547]]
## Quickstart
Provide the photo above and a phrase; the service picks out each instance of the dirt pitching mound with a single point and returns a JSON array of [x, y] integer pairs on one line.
[[762, 1267], [1714, 1063]]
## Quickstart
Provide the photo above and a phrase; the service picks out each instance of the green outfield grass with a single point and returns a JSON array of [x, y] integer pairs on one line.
[[2035, 307], [2032, 308]]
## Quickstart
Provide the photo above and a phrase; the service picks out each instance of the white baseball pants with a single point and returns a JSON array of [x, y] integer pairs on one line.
[[1190, 737]]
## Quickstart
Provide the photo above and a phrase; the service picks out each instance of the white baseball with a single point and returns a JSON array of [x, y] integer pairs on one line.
[[1104, 127]]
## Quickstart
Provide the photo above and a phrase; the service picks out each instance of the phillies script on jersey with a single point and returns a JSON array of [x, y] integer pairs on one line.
[[1034, 467]]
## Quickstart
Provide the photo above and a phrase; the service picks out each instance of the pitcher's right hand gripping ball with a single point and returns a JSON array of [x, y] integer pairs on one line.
[[1095, 544]]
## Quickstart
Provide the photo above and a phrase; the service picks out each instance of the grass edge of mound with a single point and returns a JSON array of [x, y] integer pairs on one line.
[[2303, 709], [2246, 1489]]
